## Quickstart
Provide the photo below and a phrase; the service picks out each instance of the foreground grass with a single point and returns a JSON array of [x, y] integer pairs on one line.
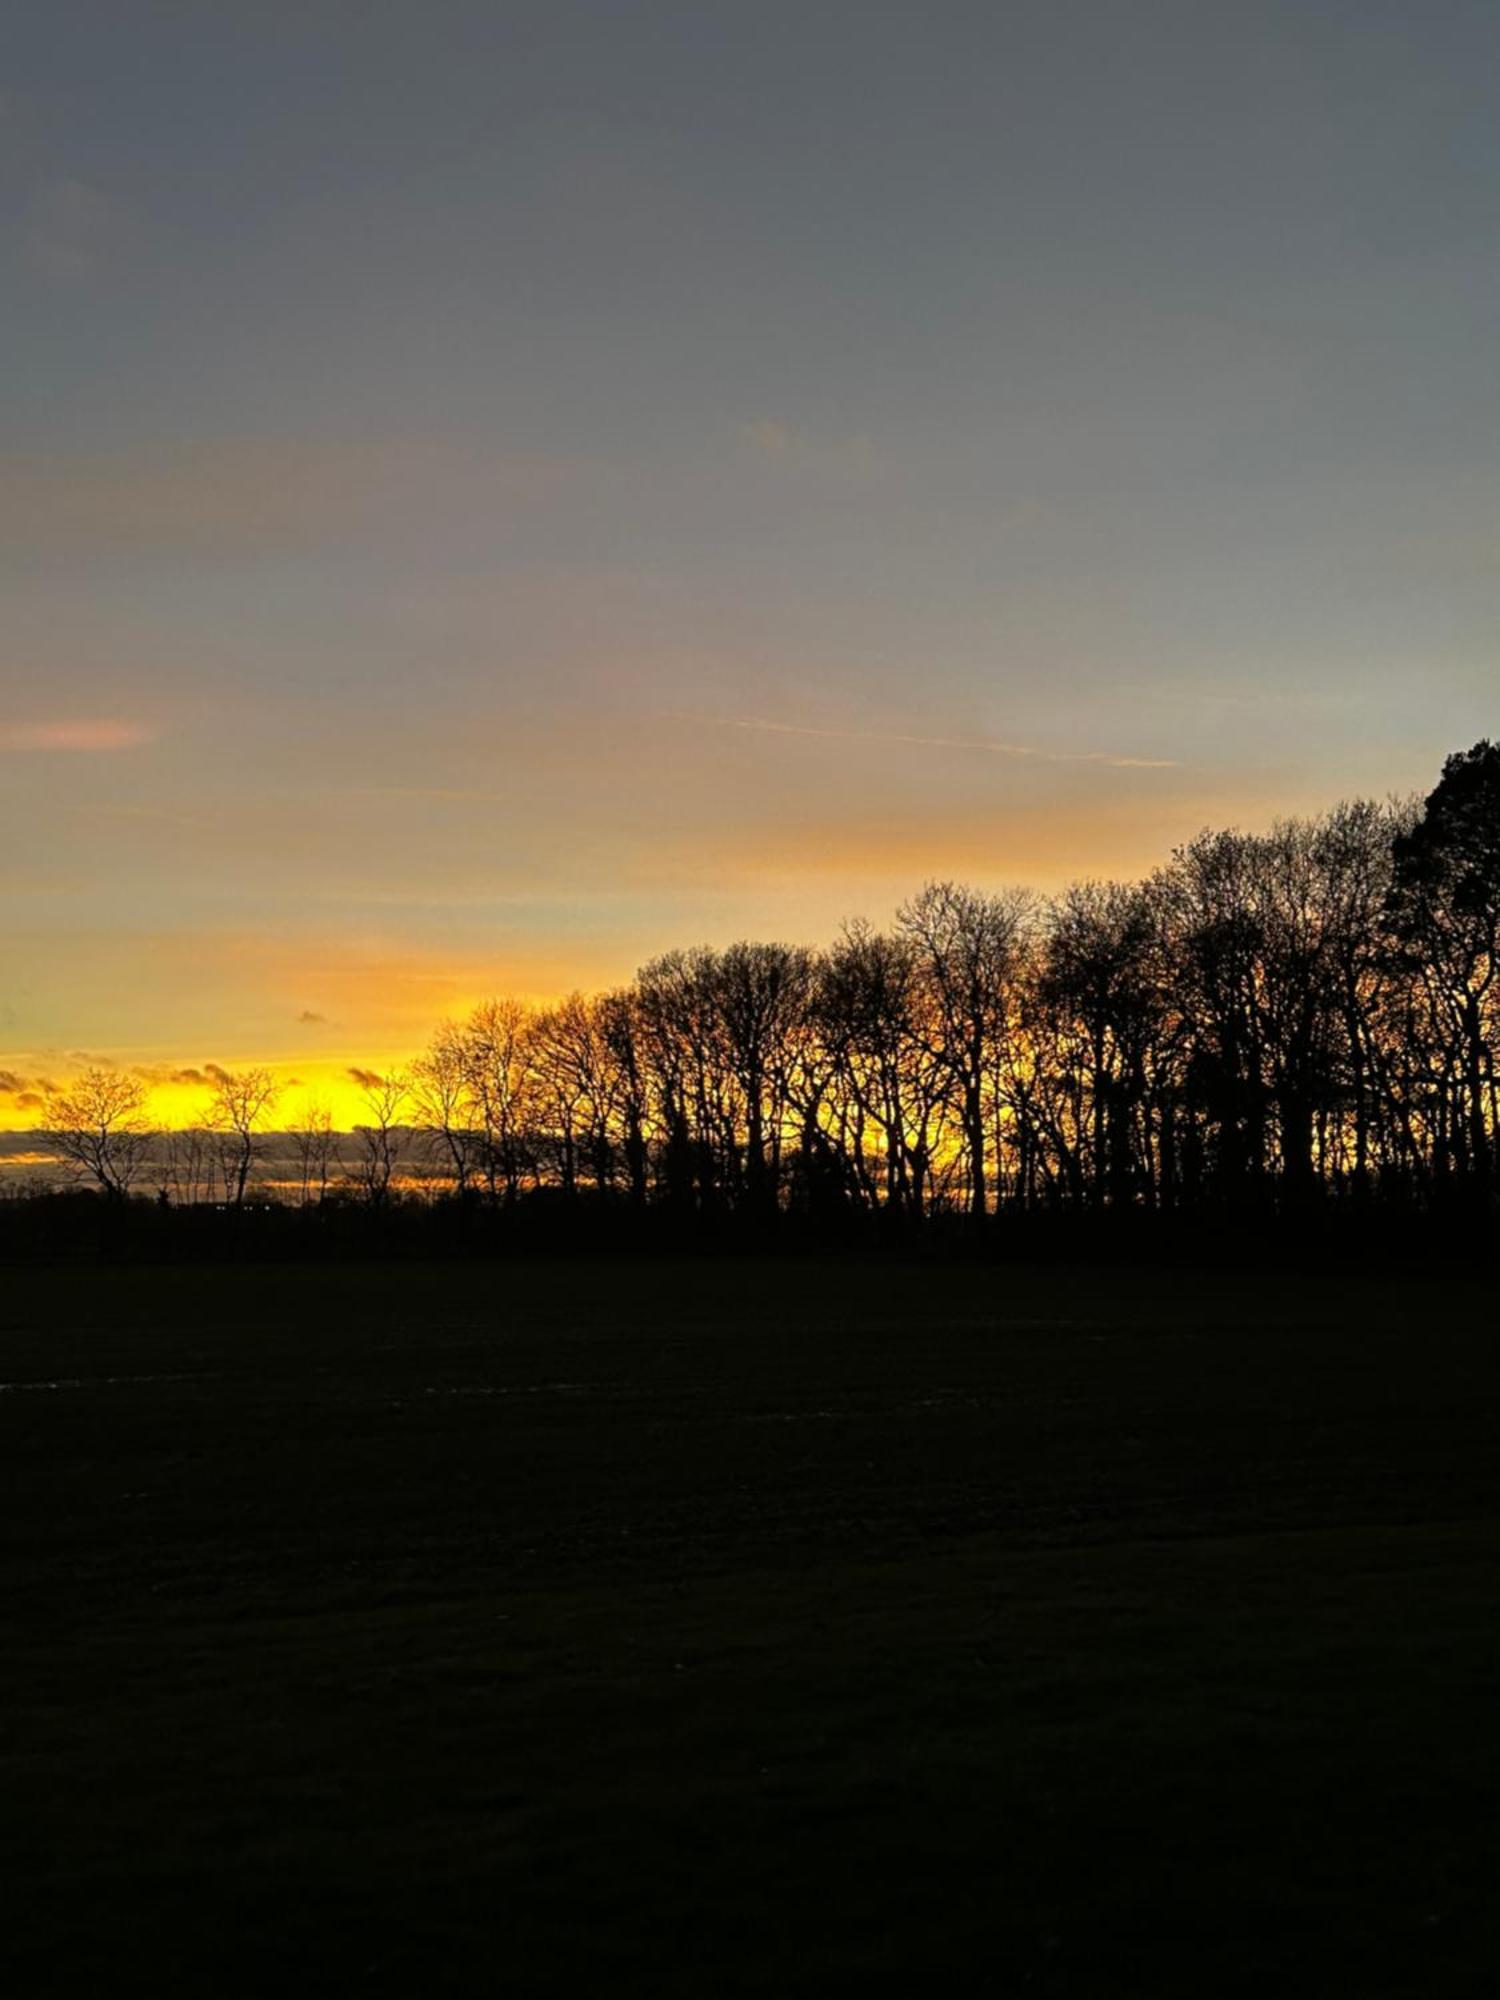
[[714, 1628]]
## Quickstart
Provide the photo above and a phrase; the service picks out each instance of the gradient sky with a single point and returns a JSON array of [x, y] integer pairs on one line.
[[488, 492]]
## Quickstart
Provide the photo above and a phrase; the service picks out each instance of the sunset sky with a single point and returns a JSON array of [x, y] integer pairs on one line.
[[489, 492]]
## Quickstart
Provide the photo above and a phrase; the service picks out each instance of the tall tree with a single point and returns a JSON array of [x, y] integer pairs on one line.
[[380, 1136], [970, 952], [443, 1102], [1444, 910], [496, 1058]]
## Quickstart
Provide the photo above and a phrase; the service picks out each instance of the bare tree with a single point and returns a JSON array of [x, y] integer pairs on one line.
[[316, 1146], [1096, 1038], [380, 1139], [971, 951], [1271, 1018], [496, 1058], [761, 996], [186, 1162], [97, 1125], [444, 1105], [622, 1050], [238, 1102], [885, 1103], [562, 1058]]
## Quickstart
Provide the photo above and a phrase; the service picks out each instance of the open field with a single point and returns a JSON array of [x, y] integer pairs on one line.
[[714, 1628]]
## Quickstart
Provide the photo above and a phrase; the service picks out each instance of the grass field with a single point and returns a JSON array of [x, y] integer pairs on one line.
[[726, 1629]]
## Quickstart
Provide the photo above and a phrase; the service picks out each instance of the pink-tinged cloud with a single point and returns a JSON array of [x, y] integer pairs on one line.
[[92, 733], [991, 744]]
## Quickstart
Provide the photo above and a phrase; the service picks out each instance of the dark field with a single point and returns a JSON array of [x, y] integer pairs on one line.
[[712, 1628]]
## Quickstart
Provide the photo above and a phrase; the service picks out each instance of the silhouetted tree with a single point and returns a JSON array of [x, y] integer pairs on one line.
[[187, 1165], [1295, 1017], [444, 1102], [627, 1108], [1444, 911], [1101, 986], [239, 1101], [380, 1137], [316, 1146], [496, 1057], [885, 1103], [971, 950], [97, 1125]]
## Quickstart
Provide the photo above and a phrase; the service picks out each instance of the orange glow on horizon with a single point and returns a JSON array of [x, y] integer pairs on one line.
[[314, 1007], [181, 1100]]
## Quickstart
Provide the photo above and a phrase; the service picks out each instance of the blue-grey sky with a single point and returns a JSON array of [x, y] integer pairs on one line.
[[489, 491]]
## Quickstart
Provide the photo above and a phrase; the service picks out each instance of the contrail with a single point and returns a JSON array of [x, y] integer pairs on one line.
[[994, 746]]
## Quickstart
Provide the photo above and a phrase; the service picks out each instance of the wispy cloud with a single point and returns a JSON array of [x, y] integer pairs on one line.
[[28, 1091], [87, 733], [24, 1093], [989, 745]]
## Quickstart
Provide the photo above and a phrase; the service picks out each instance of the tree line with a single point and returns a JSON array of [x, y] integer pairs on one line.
[[1270, 1020]]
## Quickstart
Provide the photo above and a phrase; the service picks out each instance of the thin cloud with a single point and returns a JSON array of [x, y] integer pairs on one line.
[[88, 734], [308, 1019], [27, 1093], [993, 746]]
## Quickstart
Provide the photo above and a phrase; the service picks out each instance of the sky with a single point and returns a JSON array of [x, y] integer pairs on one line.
[[489, 492]]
